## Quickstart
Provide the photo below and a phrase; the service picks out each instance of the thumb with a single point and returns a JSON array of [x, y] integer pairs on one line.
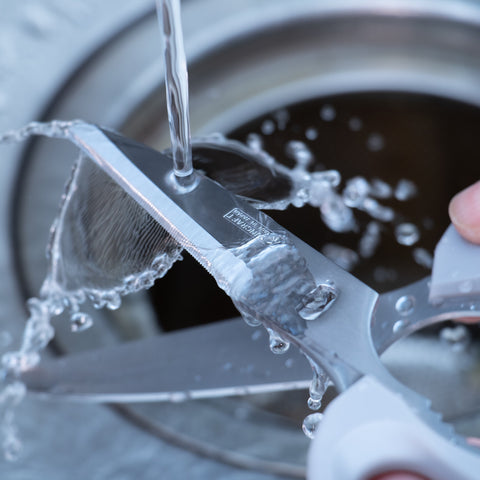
[[464, 212]]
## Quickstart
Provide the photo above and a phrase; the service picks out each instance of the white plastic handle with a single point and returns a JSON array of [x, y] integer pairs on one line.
[[370, 430]]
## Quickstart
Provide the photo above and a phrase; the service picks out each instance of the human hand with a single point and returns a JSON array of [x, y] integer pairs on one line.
[[464, 212]]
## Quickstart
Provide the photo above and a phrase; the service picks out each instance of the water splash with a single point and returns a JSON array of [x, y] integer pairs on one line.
[[299, 152], [90, 258], [273, 260]]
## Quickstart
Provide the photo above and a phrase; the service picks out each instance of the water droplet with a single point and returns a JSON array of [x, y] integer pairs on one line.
[[282, 117], [267, 127], [380, 189], [113, 301], [56, 305], [80, 321], [37, 334], [97, 299], [299, 152], [356, 191], [465, 286], [344, 257], [458, 337], [250, 320], [146, 280], [319, 383], [12, 447], [37, 308], [407, 234], [375, 142], [255, 142], [328, 113], [336, 215], [289, 362], [301, 197], [12, 394], [256, 335], [423, 257], [355, 124], [16, 362], [311, 423], [227, 366], [311, 133], [399, 325], [314, 404], [332, 178], [370, 240], [277, 344], [405, 305], [405, 190], [317, 302], [383, 274], [378, 211]]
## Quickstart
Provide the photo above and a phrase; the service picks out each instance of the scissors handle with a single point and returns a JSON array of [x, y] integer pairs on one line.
[[456, 269], [369, 430], [452, 292]]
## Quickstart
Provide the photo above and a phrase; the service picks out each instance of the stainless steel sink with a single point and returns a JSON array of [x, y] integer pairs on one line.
[[101, 62]]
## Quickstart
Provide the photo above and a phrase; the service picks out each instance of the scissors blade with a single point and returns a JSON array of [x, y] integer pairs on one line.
[[220, 229], [214, 360]]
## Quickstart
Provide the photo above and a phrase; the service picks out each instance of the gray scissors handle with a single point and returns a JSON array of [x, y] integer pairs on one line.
[[453, 291]]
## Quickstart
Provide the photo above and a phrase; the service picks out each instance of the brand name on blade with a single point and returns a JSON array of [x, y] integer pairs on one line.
[[246, 223]]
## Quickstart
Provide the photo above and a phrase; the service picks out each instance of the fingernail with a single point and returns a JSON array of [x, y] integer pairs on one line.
[[464, 212]]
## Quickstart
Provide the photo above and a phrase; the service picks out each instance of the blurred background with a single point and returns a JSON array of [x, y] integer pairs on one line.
[[382, 89]]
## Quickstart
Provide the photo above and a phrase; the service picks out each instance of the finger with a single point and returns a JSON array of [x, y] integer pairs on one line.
[[470, 320], [464, 212], [473, 441], [398, 475]]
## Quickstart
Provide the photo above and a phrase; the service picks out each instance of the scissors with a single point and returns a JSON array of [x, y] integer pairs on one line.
[[341, 324]]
